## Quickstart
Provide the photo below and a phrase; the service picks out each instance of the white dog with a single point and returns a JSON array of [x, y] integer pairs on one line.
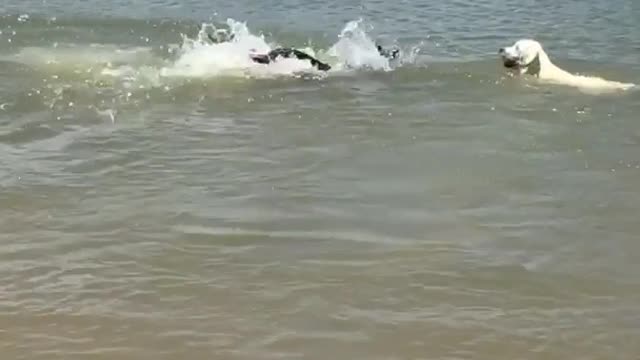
[[528, 57]]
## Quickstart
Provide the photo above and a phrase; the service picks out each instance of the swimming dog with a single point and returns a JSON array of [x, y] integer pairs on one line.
[[527, 57], [287, 53]]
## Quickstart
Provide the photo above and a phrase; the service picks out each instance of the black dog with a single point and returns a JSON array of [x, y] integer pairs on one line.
[[287, 53]]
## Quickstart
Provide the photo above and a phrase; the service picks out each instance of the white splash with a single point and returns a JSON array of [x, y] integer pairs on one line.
[[199, 58], [356, 50]]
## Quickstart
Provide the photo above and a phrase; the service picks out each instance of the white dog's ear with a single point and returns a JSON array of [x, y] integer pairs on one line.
[[533, 66]]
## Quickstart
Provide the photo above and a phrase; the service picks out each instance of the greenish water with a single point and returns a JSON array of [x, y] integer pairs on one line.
[[156, 202]]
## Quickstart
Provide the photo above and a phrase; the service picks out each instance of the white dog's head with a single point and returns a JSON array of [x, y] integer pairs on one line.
[[523, 56]]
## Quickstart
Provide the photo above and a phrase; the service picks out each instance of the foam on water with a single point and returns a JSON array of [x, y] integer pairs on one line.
[[61, 57]]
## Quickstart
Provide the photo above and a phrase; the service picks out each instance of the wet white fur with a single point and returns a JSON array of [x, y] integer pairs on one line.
[[525, 52]]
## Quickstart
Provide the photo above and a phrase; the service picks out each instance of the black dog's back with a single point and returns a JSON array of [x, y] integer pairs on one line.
[[289, 53], [300, 55]]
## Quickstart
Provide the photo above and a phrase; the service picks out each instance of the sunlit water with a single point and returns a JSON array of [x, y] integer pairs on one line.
[[165, 198]]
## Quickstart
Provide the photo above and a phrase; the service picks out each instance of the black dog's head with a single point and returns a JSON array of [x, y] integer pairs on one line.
[[389, 54]]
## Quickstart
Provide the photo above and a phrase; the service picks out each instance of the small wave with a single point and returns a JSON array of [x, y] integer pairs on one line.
[[80, 57]]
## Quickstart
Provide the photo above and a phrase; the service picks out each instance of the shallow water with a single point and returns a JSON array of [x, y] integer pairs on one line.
[[159, 200]]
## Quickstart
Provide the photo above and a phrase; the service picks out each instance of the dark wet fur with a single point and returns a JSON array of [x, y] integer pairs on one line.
[[389, 54], [289, 53]]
